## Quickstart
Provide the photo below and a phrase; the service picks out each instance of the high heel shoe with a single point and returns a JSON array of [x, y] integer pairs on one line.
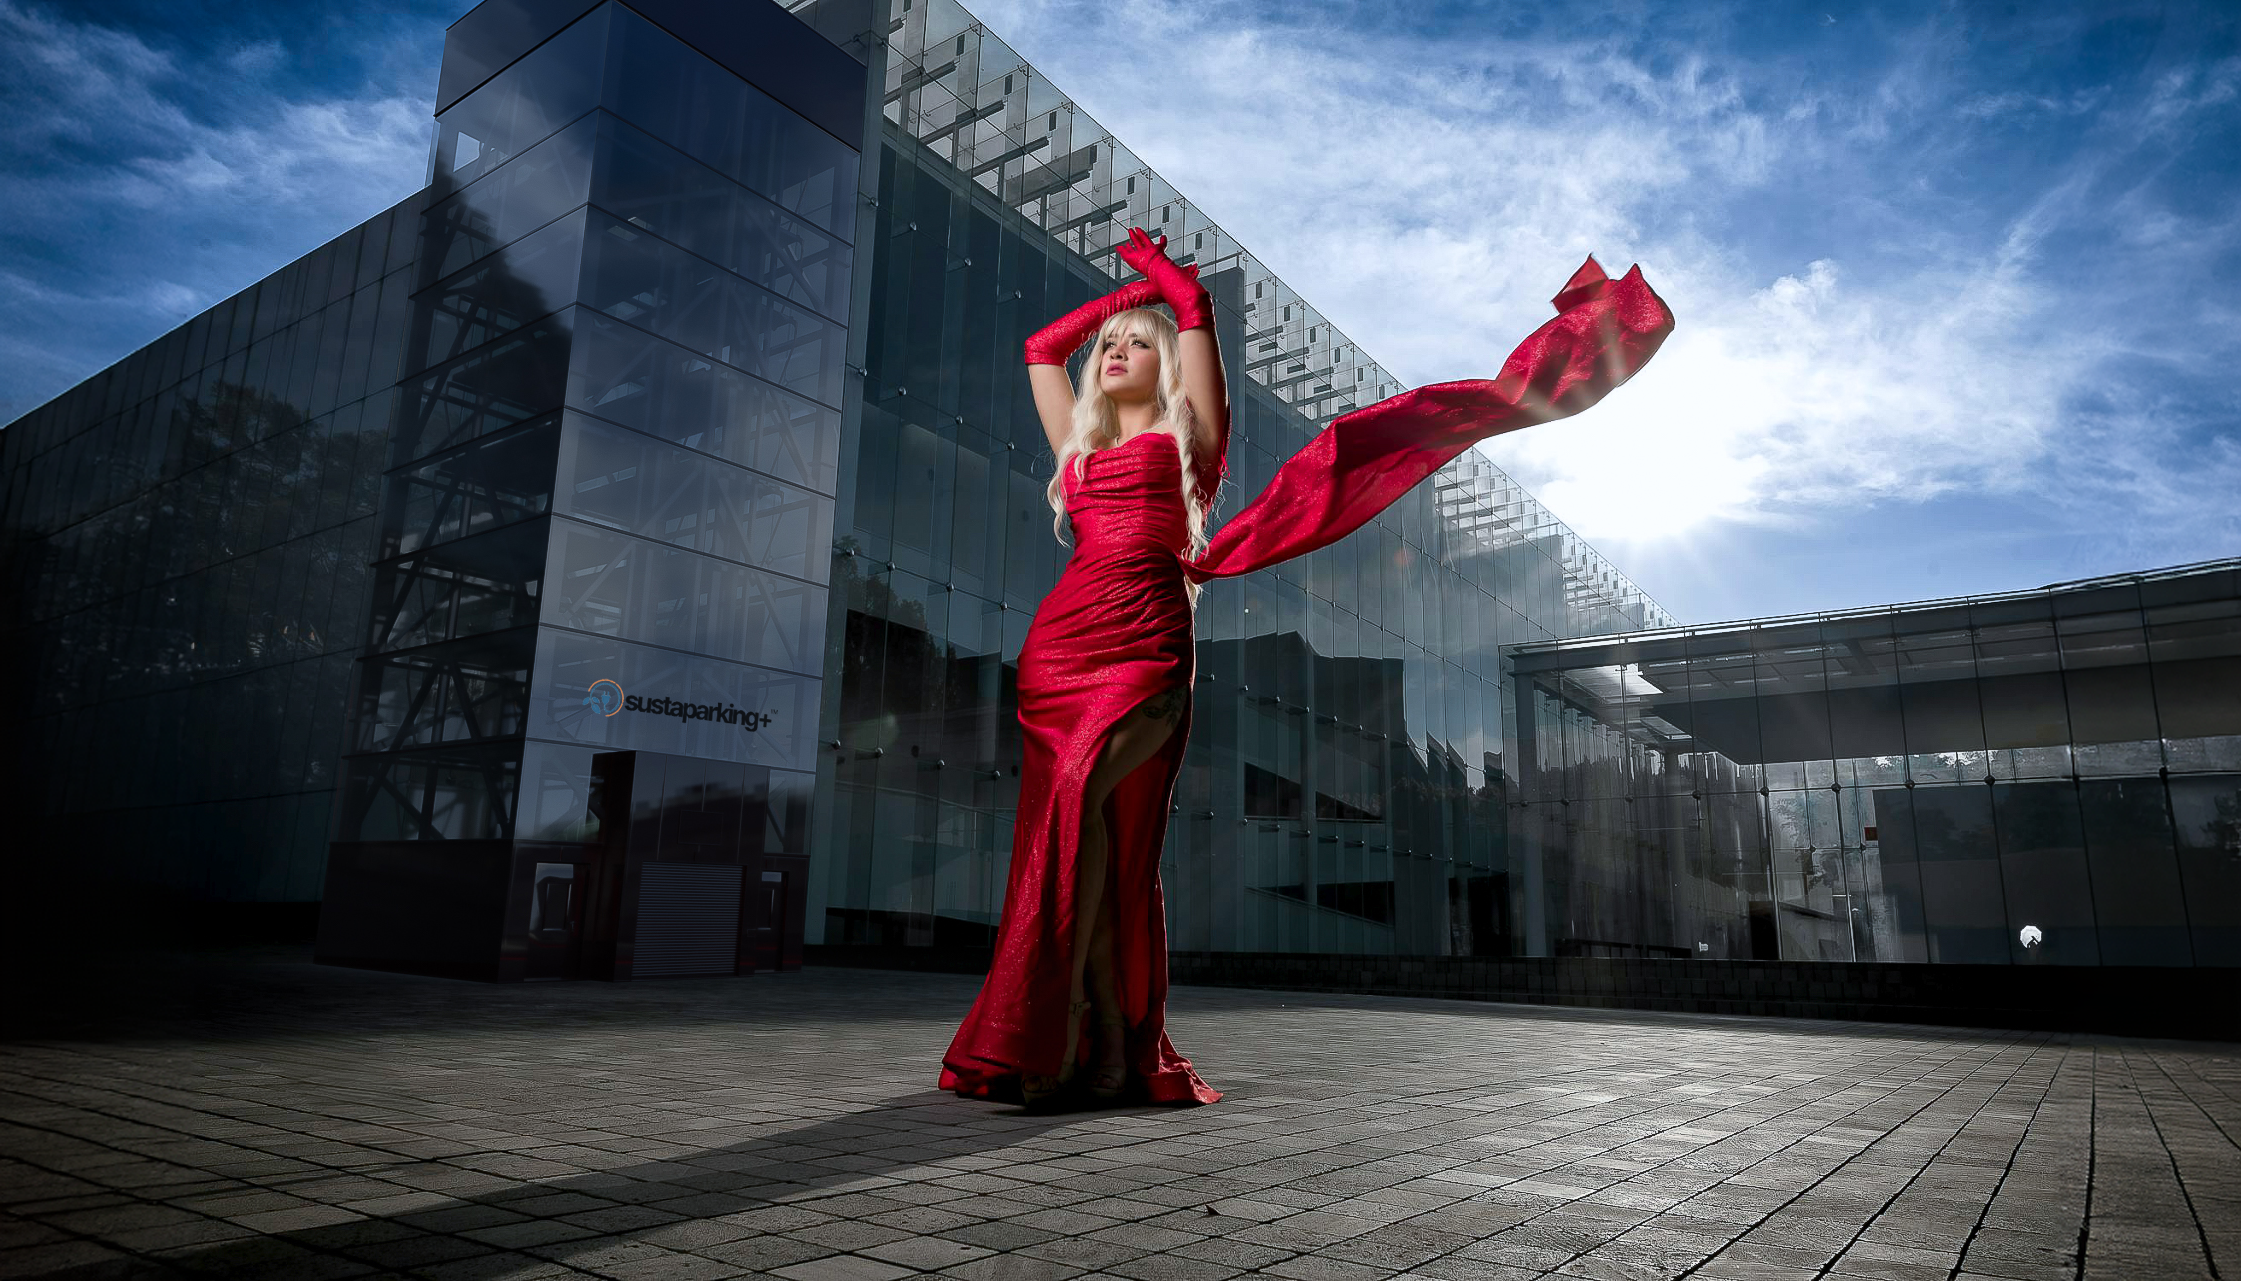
[[1111, 1077], [1044, 1091]]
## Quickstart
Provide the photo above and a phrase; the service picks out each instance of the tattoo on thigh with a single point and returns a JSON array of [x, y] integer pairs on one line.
[[1165, 707]]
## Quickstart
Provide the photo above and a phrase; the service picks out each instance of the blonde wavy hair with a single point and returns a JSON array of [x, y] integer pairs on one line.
[[1097, 424]]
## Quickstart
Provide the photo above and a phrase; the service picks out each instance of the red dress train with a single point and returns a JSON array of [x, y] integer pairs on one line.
[[1116, 630]]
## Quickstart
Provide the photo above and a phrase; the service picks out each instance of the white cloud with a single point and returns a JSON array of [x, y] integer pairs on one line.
[[116, 100], [254, 59], [137, 197], [1807, 397], [353, 154]]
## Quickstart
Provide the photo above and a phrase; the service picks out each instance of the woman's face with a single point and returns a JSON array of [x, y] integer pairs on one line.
[[1128, 367]]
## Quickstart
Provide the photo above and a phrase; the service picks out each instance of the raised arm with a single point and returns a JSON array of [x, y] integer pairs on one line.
[[1203, 384], [1049, 347]]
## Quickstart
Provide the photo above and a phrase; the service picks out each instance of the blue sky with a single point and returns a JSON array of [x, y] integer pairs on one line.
[[1957, 285]]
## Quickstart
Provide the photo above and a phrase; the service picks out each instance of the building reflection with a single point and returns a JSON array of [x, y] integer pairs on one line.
[[1297, 827], [2049, 777]]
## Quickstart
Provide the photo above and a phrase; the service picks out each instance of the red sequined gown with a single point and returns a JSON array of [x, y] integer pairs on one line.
[[1116, 630]]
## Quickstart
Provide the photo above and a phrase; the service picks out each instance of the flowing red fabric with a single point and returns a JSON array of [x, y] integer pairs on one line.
[[1604, 331], [1116, 630]]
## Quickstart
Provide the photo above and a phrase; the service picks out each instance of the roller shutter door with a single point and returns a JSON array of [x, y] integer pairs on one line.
[[688, 919]]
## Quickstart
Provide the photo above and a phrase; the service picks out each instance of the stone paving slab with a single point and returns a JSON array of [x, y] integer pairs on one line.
[[248, 1114]]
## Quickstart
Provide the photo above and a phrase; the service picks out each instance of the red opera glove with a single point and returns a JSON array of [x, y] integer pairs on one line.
[[1178, 288], [1061, 338]]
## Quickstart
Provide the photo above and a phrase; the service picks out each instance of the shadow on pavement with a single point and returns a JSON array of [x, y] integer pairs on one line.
[[273, 993]]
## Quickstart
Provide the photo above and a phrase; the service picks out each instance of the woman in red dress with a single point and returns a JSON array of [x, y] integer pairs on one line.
[[1074, 1006]]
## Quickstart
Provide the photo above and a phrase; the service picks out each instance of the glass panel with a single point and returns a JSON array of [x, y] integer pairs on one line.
[[522, 105], [556, 796], [1809, 880], [461, 692], [615, 585], [1964, 910], [534, 277], [482, 584], [464, 793], [492, 36], [2019, 680], [1715, 704], [2043, 874], [493, 482], [1793, 707], [670, 702], [627, 481], [530, 190], [2105, 674], [1739, 844], [1895, 874], [2194, 643], [1944, 719], [2206, 818], [625, 375], [659, 288], [392, 331], [1861, 665], [520, 377], [2137, 901], [686, 100], [657, 189]]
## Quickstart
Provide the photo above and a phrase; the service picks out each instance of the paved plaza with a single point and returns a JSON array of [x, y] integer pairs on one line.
[[250, 1114]]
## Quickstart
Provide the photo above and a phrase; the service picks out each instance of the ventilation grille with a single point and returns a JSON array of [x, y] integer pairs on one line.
[[688, 919]]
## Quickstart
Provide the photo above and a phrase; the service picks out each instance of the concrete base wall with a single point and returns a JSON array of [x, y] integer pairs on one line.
[[2198, 1004]]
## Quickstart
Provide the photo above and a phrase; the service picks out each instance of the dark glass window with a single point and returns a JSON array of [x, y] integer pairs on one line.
[[1866, 723], [631, 482], [1964, 910], [2137, 900], [531, 278], [519, 377], [624, 374], [2194, 646], [2019, 680], [392, 328], [492, 482], [358, 346], [654, 286], [449, 793], [2048, 893], [655, 188], [465, 691], [1712, 701], [2206, 819], [525, 193], [524, 104], [483, 584], [677, 95], [1938, 696], [1895, 873], [373, 250], [615, 585], [1793, 707], [2111, 699]]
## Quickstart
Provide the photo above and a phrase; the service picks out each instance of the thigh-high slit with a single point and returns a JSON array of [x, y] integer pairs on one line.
[[1017, 1026], [1113, 634]]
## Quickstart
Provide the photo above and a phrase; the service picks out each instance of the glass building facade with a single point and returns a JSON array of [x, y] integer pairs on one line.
[[681, 414], [187, 542], [2049, 777], [610, 494], [1344, 783]]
